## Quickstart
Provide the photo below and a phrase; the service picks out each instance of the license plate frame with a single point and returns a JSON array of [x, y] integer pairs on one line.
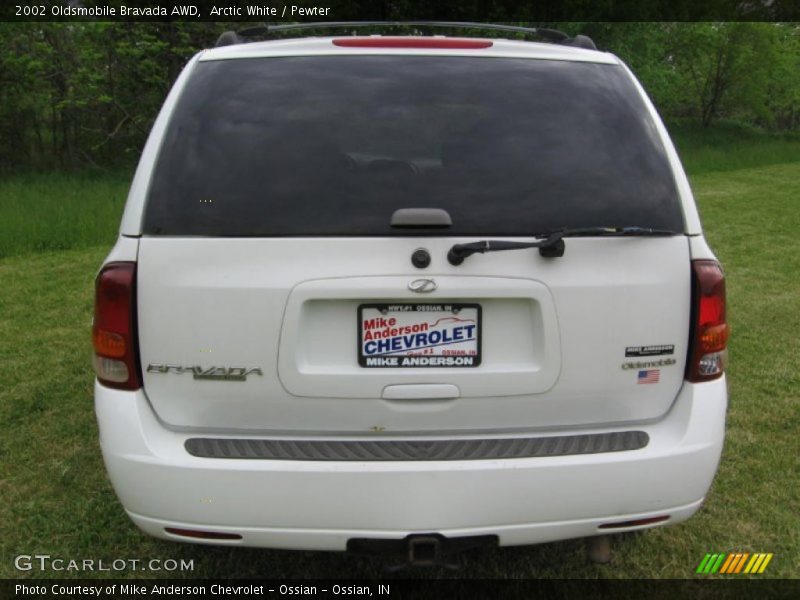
[[461, 347]]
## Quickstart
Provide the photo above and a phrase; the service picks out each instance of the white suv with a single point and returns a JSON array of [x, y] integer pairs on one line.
[[414, 292]]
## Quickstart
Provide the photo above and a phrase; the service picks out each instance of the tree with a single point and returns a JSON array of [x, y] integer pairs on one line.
[[726, 66]]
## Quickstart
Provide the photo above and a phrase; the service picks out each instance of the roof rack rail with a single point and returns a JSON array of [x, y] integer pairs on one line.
[[228, 38]]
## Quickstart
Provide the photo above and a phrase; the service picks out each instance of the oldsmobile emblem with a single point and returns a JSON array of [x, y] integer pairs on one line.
[[423, 286], [211, 373], [664, 362]]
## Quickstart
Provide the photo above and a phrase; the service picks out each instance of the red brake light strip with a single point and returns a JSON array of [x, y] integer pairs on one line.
[[411, 42]]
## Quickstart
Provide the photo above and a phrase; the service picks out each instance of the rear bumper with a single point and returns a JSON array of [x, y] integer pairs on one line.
[[320, 505]]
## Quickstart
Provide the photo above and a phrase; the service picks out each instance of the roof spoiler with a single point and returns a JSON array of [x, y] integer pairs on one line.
[[229, 38]]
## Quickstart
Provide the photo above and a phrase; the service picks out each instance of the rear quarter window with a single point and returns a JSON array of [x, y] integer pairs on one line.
[[316, 146]]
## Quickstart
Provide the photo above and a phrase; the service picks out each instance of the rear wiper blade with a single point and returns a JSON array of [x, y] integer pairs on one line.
[[552, 243], [616, 231]]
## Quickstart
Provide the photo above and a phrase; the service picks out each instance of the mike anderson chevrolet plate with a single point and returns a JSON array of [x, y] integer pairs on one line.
[[419, 335]]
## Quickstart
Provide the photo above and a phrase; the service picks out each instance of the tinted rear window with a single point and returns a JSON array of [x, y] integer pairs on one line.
[[334, 145]]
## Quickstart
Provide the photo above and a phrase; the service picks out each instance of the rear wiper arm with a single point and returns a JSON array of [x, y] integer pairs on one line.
[[552, 244]]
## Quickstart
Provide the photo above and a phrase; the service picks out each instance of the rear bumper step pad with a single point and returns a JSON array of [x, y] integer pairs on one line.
[[473, 449]]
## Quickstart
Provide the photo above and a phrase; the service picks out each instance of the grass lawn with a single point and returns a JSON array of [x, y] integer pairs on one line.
[[57, 499], [53, 211]]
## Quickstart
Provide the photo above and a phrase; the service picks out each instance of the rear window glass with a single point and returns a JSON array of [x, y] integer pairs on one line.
[[334, 145]]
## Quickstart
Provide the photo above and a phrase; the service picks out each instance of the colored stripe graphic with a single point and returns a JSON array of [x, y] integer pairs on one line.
[[754, 562], [727, 564], [740, 564], [765, 563], [702, 566], [734, 563], [717, 564]]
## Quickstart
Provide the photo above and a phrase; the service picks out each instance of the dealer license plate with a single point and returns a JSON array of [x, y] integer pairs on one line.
[[409, 335]]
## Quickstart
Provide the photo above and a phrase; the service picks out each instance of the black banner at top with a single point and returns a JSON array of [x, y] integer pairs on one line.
[[525, 11]]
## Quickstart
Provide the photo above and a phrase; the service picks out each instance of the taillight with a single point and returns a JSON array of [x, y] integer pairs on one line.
[[709, 333], [114, 328]]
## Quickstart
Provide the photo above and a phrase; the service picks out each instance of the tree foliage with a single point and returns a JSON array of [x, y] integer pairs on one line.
[[86, 93]]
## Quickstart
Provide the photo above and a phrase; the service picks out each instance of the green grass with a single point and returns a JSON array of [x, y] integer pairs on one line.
[[56, 211], [58, 501], [731, 146]]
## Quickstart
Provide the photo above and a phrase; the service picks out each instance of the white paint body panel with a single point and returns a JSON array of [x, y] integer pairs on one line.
[[320, 505], [323, 46], [554, 332]]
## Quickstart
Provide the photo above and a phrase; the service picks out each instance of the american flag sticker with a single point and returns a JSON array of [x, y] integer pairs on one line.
[[648, 376]]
